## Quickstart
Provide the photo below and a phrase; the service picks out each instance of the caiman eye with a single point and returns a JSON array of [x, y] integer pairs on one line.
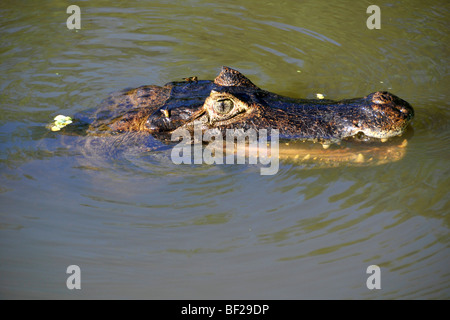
[[223, 106]]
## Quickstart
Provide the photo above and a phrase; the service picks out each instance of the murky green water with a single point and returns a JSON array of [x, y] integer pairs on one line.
[[141, 227]]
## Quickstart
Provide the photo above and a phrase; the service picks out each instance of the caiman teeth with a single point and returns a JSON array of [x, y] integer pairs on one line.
[[404, 143], [165, 112], [359, 158]]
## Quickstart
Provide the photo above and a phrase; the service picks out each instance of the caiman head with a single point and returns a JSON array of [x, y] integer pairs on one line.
[[232, 101]]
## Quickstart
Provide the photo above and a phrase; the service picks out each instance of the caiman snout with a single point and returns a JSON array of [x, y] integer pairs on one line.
[[400, 105], [386, 115]]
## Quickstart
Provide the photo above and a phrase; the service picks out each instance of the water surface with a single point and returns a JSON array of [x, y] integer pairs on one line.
[[141, 227]]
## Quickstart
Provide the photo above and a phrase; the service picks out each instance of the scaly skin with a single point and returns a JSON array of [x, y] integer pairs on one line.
[[232, 101]]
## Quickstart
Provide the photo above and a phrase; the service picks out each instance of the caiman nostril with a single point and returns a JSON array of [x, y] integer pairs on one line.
[[382, 97]]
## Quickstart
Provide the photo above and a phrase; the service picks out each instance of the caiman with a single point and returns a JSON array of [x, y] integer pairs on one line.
[[232, 101]]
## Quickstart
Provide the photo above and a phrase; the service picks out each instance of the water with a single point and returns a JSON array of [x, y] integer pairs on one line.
[[141, 227]]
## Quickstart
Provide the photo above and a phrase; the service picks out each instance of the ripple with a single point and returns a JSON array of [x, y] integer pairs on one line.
[[122, 209]]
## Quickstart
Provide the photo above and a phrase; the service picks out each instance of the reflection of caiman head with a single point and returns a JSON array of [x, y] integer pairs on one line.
[[353, 154], [232, 101]]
